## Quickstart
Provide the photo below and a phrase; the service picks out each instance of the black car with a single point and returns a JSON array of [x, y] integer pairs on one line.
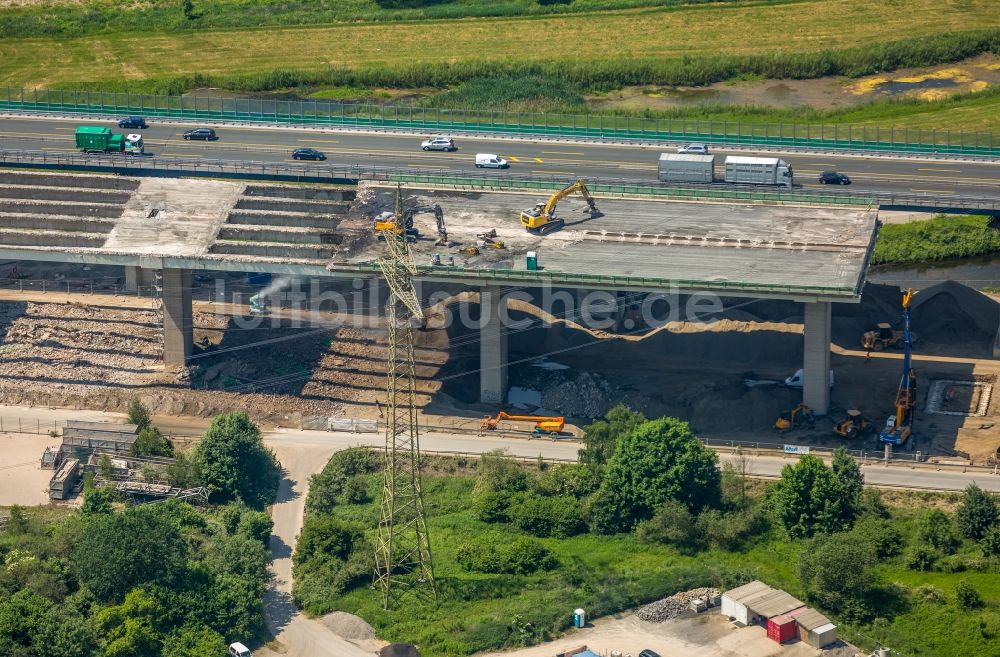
[[308, 154], [206, 134], [833, 178], [133, 122]]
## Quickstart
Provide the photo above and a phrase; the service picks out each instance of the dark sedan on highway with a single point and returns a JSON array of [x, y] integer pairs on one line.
[[308, 154], [205, 134], [833, 178]]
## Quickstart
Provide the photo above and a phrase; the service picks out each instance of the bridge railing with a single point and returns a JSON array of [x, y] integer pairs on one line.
[[414, 117]]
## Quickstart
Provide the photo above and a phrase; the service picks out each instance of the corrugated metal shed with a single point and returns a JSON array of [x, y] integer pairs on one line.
[[742, 593], [773, 603], [810, 619]]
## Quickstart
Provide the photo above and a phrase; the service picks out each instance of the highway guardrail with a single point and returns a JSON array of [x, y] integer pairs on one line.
[[492, 181], [409, 117]]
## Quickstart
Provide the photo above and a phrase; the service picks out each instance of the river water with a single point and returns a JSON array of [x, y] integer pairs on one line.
[[973, 272]]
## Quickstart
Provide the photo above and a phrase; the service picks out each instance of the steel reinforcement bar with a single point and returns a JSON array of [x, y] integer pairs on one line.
[[372, 116], [352, 173]]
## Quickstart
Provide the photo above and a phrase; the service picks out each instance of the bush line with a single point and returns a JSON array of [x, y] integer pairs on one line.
[[939, 238]]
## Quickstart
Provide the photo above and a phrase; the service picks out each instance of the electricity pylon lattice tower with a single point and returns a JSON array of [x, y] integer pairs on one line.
[[402, 548]]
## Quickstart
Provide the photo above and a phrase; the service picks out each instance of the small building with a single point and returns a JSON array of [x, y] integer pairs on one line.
[[734, 601], [814, 628], [782, 628], [64, 480], [770, 604], [81, 439]]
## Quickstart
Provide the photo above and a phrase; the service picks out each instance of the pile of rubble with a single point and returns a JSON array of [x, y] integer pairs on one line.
[[674, 606], [585, 395]]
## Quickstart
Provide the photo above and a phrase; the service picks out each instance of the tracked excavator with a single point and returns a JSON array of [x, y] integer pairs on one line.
[[389, 221], [541, 218], [543, 424], [899, 426], [798, 417], [854, 425]]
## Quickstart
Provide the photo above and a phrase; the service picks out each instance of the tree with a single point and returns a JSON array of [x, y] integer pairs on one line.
[[233, 462], [735, 473], [183, 472], [966, 596], [852, 484], [977, 513], [120, 551], [22, 617], [194, 640], [98, 500], [150, 442], [256, 525], [138, 414], [129, 629], [934, 528], [188, 7], [837, 572], [66, 633], [601, 437], [659, 460], [991, 542], [882, 534], [17, 521], [808, 498]]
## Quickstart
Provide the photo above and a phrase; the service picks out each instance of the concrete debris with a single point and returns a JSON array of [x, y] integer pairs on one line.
[[676, 605], [348, 626]]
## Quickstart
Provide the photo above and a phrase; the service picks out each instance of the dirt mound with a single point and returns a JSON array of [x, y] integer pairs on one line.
[[348, 626], [951, 314]]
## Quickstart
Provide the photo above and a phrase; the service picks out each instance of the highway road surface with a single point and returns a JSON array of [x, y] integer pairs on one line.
[[937, 177]]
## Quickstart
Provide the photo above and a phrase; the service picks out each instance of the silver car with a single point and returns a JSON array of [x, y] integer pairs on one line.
[[439, 144], [695, 149]]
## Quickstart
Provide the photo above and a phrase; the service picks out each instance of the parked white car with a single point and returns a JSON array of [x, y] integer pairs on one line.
[[237, 649], [795, 380], [439, 144], [490, 161], [694, 149]]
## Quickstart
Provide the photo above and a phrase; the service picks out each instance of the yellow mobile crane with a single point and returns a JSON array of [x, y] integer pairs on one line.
[[541, 219]]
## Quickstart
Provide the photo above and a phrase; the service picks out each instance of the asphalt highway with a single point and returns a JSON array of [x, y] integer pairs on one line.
[[910, 175]]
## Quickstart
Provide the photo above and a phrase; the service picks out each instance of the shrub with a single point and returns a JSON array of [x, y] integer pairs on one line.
[[256, 525], [730, 531], [977, 513], [966, 596], [138, 414], [546, 516], [355, 490], [991, 542], [576, 479], [150, 442], [837, 572], [888, 541], [935, 529], [921, 557], [491, 507], [498, 472], [672, 524], [521, 556], [930, 593], [234, 463]]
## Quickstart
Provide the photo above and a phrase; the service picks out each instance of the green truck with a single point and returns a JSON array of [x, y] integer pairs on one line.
[[95, 139]]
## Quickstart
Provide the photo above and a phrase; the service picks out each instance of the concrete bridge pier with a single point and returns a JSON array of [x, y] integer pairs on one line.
[[816, 357], [136, 277], [178, 325], [492, 345]]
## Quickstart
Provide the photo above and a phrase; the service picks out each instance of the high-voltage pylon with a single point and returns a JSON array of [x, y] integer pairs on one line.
[[402, 548]]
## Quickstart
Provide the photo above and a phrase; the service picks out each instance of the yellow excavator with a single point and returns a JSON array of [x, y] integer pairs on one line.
[[798, 417], [543, 424], [541, 218]]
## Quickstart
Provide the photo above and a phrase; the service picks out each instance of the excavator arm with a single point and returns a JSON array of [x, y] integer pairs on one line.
[[429, 209], [543, 214]]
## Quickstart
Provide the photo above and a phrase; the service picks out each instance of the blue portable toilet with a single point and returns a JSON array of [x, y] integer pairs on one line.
[[579, 618]]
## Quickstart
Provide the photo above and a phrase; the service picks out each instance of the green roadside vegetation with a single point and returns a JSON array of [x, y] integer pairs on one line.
[[161, 580], [943, 237], [643, 515], [75, 18]]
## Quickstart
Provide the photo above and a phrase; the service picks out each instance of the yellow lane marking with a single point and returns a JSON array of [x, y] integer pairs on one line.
[[560, 153], [944, 170], [932, 191], [513, 159], [538, 159]]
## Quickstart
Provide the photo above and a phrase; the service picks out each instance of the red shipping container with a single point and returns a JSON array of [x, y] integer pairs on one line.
[[781, 628]]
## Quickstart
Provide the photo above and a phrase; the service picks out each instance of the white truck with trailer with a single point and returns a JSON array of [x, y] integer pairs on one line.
[[690, 168]]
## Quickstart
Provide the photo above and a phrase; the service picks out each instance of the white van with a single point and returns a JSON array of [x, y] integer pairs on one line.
[[490, 161], [796, 380], [239, 650]]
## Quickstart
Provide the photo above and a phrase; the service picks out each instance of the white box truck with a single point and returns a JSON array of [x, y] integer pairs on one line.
[[758, 171], [686, 167]]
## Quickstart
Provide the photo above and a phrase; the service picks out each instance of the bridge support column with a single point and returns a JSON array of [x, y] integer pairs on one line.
[[136, 277], [816, 357], [492, 346], [178, 326]]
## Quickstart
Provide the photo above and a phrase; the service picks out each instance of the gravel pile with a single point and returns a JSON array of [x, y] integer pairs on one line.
[[672, 607]]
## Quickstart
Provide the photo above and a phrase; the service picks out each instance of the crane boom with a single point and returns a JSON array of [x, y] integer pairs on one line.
[[900, 425]]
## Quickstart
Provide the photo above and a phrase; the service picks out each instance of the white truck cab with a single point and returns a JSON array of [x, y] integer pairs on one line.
[[490, 161], [134, 144]]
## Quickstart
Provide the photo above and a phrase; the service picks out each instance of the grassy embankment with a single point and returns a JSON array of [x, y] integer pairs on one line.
[[941, 238], [477, 611]]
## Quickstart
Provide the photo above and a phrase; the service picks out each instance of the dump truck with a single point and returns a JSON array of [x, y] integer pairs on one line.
[[691, 168], [95, 139], [688, 168]]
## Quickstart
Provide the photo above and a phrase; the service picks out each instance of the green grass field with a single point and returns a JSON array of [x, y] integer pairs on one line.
[[625, 47], [942, 238], [607, 574]]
